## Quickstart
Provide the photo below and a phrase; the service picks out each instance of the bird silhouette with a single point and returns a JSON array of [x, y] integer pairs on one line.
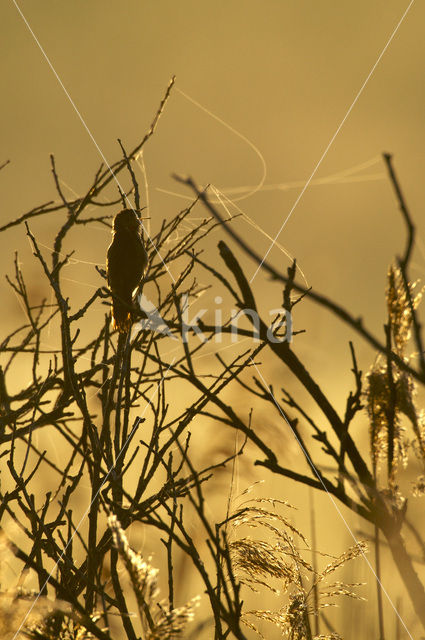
[[126, 264]]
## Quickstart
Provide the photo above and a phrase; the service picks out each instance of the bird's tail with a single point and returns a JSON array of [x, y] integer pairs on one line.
[[121, 316]]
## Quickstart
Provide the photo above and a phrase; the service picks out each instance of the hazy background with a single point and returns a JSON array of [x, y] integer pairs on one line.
[[281, 73]]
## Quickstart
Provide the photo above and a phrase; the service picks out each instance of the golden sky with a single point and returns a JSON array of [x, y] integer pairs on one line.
[[282, 74], [261, 90]]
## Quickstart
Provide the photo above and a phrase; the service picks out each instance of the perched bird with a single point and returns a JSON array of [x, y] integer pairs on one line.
[[126, 265]]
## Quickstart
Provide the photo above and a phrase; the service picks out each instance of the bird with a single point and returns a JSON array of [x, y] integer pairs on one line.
[[125, 266]]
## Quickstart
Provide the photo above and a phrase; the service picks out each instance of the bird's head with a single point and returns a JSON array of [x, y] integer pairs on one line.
[[127, 220]]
